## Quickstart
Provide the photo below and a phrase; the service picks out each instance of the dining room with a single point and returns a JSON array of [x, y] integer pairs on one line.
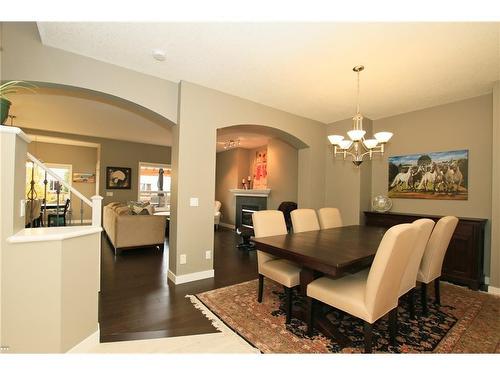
[[333, 278]]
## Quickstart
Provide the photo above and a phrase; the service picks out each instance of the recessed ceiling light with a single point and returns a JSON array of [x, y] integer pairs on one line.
[[159, 54]]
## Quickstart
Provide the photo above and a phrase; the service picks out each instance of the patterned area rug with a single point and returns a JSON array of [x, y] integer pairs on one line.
[[466, 322]]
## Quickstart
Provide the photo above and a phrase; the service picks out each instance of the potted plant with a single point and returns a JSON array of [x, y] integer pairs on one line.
[[6, 89]]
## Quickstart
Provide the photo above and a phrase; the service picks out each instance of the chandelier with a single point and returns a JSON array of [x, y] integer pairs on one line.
[[231, 143], [358, 146]]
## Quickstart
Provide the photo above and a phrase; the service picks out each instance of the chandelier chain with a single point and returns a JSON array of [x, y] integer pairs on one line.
[[357, 106]]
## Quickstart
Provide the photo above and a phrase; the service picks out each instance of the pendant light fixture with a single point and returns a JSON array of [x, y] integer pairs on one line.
[[357, 146]]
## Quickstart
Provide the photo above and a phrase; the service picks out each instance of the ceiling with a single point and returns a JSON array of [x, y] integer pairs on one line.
[[304, 68], [247, 140], [76, 112]]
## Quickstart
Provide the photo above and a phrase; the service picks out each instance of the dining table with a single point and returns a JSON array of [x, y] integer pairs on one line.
[[332, 252]]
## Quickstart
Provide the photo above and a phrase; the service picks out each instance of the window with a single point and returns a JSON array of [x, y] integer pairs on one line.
[[62, 170], [149, 184]]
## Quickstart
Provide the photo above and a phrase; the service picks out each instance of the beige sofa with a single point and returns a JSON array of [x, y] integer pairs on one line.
[[127, 231]]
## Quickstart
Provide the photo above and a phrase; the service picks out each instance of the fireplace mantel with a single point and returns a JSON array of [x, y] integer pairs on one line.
[[251, 192]]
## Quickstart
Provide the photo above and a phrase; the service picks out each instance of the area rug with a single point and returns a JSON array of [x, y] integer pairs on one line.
[[466, 322]]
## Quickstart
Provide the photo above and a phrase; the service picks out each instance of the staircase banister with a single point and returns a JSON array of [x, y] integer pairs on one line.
[[66, 185]]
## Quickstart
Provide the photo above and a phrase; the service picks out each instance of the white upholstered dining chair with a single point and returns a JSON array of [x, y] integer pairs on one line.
[[329, 217], [304, 219], [272, 223], [374, 295], [409, 281], [432, 261]]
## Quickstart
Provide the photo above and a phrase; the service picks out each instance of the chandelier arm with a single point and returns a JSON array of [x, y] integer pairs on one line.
[[341, 152], [373, 151]]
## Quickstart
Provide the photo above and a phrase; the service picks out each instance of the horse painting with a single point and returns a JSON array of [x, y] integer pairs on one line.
[[434, 175]]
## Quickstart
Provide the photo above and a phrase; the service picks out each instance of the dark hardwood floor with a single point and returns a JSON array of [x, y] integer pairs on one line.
[[137, 300]]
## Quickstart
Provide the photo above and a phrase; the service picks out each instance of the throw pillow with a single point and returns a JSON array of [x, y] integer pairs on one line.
[[140, 208]]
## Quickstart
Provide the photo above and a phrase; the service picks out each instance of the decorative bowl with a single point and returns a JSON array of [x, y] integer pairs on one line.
[[381, 203]]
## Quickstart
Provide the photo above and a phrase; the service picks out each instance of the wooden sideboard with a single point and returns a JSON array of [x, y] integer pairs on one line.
[[463, 263]]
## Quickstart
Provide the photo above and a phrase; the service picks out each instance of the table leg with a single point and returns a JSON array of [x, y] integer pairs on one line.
[[306, 276]]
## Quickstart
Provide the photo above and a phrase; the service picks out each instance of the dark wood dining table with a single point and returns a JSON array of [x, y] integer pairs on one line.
[[333, 252]]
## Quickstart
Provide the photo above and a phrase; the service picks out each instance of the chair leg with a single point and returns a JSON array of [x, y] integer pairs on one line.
[[393, 325], [288, 307], [437, 291], [411, 303], [368, 337], [423, 291], [261, 288], [310, 316]]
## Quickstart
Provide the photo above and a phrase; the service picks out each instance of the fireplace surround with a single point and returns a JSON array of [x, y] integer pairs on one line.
[[245, 207]]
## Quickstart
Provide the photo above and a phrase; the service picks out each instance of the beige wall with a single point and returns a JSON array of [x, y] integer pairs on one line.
[[282, 172], [12, 178], [466, 124], [83, 113], [51, 305], [118, 154], [201, 112], [495, 215], [24, 57], [344, 181], [82, 160], [234, 165], [227, 167]]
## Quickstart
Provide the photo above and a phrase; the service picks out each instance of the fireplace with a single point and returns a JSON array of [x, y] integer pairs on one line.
[[246, 215], [245, 207]]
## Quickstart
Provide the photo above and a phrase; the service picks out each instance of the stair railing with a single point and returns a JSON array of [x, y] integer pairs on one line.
[[95, 202]]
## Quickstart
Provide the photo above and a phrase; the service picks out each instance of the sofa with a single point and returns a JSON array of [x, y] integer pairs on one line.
[[127, 231]]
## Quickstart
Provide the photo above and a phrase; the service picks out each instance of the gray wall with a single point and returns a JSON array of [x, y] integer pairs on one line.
[[226, 177], [466, 124], [201, 112], [495, 215], [282, 173], [24, 57], [234, 165], [118, 154]]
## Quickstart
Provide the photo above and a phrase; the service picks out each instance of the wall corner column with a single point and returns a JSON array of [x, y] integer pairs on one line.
[[495, 199]]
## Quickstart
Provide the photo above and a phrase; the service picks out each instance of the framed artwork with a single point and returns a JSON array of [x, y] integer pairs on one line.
[[84, 177], [260, 170], [433, 175], [118, 178]]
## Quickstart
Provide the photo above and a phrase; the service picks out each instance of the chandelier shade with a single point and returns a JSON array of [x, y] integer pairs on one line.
[[357, 147]]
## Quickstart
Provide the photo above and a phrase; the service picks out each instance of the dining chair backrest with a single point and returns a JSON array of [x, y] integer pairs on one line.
[[267, 223], [329, 217], [409, 281], [432, 261], [386, 272], [304, 219]]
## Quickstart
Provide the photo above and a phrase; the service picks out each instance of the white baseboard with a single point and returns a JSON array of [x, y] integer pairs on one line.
[[182, 279], [494, 290], [87, 344], [225, 225]]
